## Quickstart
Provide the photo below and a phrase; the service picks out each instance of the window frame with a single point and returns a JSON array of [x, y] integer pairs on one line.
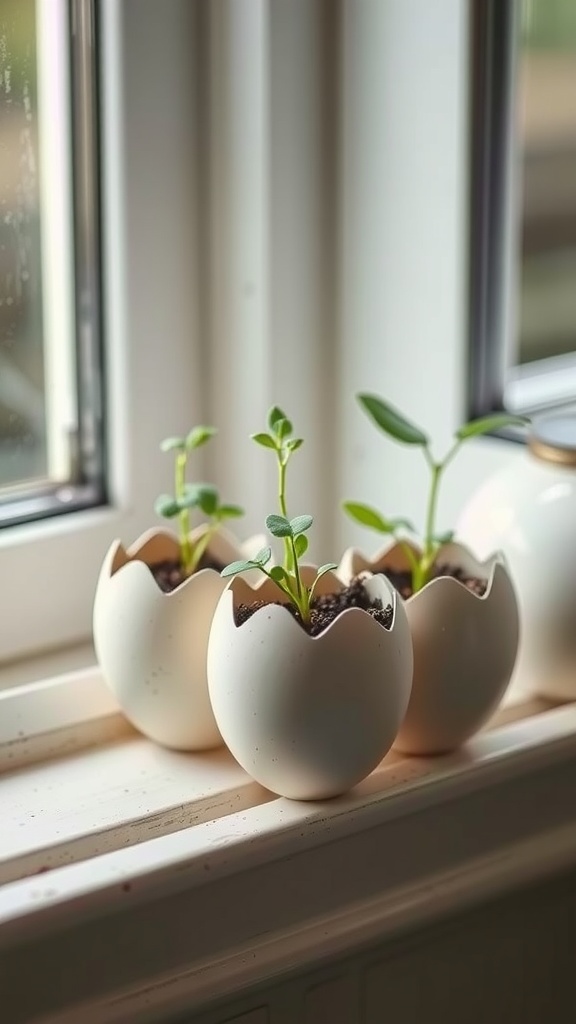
[[68, 183], [236, 292], [493, 203], [50, 567], [496, 380]]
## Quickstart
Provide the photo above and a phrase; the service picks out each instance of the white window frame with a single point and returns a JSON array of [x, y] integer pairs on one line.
[[497, 182], [234, 265], [261, 282], [49, 568], [274, 234]]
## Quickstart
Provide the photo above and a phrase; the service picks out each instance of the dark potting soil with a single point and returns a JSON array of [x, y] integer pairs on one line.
[[326, 607], [402, 581], [169, 575]]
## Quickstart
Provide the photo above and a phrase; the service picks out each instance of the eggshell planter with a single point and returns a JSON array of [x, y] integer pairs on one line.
[[464, 647], [528, 510], [308, 717], [151, 646]]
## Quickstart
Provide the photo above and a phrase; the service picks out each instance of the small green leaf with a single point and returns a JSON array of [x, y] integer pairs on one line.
[[392, 422], [192, 494], [300, 524], [166, 506], [278, 574], [301, 545], [283, 428], [171, 443], [207, 499], [236, 567], [274, 417], [278, 526], [263, 556], [402, 524], [198, 436], [325, 568], [230, 512], [293, 444], [443, 538], [487, 423], [367, 516], [321, 571], [264, 439], [186, 501]]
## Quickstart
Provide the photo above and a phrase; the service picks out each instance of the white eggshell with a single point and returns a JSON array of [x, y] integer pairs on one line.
[[152, 646], [464, 647], [308, 717], [528, 510]]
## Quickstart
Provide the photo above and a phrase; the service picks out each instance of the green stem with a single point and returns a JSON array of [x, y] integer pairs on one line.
[[437, 468], [282, 486], [281, 586], [201, 545], [288, 554], [302, 595], [426, 562], [410, 557], [184, 515]]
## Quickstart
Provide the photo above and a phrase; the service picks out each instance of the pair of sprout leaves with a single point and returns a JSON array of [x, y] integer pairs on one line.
[[287, 577], [186, 497], [395, 426]]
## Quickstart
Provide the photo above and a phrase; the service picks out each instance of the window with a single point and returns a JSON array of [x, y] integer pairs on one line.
[[149, 331], [50, 371], [523, 267], [546, 126], [22, 429], [259, 195]]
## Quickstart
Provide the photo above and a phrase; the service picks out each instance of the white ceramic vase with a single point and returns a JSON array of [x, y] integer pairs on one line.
[[151, 646], [308, 717], [464, 647], [528, 510]]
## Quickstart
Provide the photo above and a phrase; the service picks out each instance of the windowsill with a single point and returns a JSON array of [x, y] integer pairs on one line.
[[47, 665], [124, 826]]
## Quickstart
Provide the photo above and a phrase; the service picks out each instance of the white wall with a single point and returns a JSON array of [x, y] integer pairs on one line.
[[404, 251]]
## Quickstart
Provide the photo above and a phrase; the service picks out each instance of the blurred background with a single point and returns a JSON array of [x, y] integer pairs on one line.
[[546, 130], [545, 146], [22, 407]]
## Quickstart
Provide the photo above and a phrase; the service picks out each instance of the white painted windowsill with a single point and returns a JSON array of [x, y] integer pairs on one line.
[[182, 879]]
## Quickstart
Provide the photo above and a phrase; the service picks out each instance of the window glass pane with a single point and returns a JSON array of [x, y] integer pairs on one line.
[[23, 449], [547, 124]]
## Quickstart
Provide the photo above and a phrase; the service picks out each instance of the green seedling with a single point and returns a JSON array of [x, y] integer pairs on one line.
[[189, 496], [292, 532], [396, 426]]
